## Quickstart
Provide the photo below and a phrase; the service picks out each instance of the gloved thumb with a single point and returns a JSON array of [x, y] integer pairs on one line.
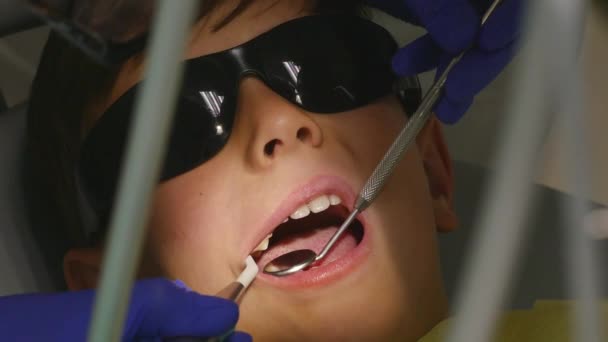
[[161, 308], [453, 24]]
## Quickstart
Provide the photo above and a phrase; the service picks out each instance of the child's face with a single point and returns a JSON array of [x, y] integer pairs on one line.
[[205, 222]]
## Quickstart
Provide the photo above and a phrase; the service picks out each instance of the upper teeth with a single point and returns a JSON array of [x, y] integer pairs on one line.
[[317, 205], [263, 245]]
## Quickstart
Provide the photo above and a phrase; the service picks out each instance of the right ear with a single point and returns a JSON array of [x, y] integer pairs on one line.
[[81, 268]]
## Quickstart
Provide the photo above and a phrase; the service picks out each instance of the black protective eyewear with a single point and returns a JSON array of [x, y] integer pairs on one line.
[[324, 64]]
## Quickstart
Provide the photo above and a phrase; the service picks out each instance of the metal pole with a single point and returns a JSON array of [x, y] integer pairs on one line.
[[145, 150], [582, 264], [509, 194]]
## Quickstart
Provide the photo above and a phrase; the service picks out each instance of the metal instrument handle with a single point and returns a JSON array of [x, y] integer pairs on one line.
[[408, 134]]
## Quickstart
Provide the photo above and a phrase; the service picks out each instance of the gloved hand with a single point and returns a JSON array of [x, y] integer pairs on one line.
[[158, 309], [453, 26]]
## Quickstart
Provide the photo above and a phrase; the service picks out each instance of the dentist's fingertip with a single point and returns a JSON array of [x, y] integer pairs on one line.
[[417, 57], [180, 284], [239, 336], [450, 112], [454, 25], [503, 27]]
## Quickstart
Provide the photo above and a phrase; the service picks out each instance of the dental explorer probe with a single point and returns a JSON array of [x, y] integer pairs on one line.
[[230, 292], [299, 260]]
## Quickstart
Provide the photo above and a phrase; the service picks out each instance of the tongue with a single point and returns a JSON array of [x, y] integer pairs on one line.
[[313, 240]]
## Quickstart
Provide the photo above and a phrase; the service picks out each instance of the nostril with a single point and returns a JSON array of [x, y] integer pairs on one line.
[[303, 134], [270, 146]]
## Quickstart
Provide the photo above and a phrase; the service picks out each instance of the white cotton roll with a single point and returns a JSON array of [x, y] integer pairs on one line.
[[250, 272]]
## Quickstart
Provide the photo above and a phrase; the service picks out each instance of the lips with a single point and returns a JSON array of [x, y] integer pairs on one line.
[[313, 233]]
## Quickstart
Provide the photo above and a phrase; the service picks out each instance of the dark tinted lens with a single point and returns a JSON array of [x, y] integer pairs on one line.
[[197, 135], [204, 117], [329, 69], [202, 124]]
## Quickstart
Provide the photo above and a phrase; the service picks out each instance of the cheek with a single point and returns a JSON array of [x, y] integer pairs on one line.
[[186, 231], [403, 212], [405, 209], [369, 131], [367, 134], [405, 204]]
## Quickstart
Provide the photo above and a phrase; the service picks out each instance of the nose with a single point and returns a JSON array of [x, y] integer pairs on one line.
[[270, 126]]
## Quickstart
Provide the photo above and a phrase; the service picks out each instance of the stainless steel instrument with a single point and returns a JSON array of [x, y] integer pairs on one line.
[[299, 260]]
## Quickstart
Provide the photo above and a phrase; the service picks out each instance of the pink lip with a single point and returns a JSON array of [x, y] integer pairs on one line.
[[317, 186]]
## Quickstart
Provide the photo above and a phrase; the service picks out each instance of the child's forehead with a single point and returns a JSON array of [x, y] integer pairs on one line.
[[255, 20]]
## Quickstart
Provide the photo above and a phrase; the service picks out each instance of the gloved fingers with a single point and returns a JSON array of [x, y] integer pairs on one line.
[[453, 24], [475, 71], [46, 317], [472, 74], [419, 56], [503, 26], [162, 308], [180, 284], [239, 336], [450, 111], [148, 339]]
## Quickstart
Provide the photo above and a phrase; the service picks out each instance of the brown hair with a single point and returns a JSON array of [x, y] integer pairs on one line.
[[67, 83]]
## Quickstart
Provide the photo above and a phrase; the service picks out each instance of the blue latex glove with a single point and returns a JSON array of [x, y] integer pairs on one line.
[[159, 308], [453, 26]]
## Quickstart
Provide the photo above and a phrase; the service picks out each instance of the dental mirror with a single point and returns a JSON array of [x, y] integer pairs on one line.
[[299, 260], [291, 262]]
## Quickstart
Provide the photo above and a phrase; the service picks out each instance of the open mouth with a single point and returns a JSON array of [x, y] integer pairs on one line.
[[310, 227]]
